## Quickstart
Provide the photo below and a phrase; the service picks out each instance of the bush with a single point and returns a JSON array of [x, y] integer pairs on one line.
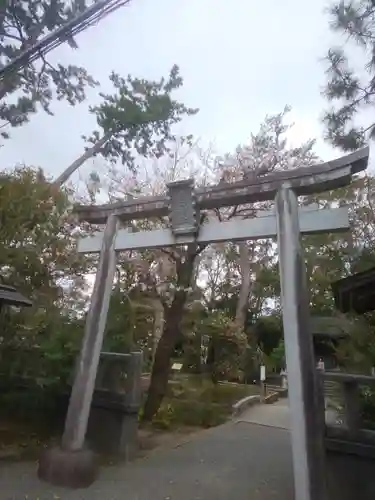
[[194, 400], [368, 407], [175, 413], [277, 357], [35, 374], [39, 407], [227, 347]]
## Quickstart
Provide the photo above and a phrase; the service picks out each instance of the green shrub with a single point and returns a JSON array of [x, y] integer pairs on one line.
[[368, 407], [165, 417], [175, 413], [195, 401]]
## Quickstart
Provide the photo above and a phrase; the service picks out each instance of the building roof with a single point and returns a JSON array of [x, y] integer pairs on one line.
[[329, 326], [10, 296], [355, 293]]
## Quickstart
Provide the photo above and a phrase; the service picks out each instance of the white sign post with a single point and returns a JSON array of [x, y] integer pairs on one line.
[[284, 379], [262, 381]]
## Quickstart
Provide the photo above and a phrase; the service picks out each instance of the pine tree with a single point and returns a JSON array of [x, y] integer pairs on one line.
[[22, 24], [351, 91]]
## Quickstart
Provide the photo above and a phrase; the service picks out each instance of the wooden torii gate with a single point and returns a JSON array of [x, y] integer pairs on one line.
[[183, 205]]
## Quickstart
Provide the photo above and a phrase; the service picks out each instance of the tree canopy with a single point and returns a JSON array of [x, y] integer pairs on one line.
[[36, 86], [215, 306], [167, 302], [350, 75], [136, 120]]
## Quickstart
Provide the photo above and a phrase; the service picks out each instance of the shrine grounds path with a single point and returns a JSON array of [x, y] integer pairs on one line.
[[240, 460], [236, 461]]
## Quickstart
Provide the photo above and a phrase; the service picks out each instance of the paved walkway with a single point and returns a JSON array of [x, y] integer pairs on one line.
[[236, 461], [275, 415]]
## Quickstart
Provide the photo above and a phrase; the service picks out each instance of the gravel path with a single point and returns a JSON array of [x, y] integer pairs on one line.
[[231, 462], [236, 461], [276, 415]]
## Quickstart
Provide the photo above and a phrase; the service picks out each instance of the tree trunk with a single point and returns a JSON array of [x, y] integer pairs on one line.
[[171, 332], [243, 298], [89, 153], [163, 354], [3, 91], [158, 327]]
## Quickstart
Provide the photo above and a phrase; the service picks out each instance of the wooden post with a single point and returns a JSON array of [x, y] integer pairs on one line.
[[321, 403], [352, 404], [133, 396], [306, 431], [83, 387]]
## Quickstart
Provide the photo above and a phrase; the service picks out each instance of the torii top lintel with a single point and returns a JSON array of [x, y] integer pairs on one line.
[[307, 180]]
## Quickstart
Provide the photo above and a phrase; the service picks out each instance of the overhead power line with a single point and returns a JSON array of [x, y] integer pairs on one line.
[[81, 22]]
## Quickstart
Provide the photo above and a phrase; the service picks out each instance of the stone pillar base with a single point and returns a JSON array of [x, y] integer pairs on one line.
[[70, 469], [113, 426]]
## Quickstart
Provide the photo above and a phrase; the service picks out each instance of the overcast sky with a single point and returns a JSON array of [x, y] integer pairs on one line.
[[240, 60]]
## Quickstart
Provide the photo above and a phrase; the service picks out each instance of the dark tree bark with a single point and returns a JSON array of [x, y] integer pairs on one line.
[[89, 153], [161, 367], [171, 333]]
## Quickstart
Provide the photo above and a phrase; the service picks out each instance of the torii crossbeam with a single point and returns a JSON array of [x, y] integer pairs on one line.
[[308, 180]]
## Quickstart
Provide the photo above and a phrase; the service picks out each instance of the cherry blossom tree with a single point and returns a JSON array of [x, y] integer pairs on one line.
[[166, 278], [266, 152]]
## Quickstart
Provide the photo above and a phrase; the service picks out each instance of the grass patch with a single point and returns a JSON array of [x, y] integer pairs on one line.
[[195, 401], [21, 442]]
